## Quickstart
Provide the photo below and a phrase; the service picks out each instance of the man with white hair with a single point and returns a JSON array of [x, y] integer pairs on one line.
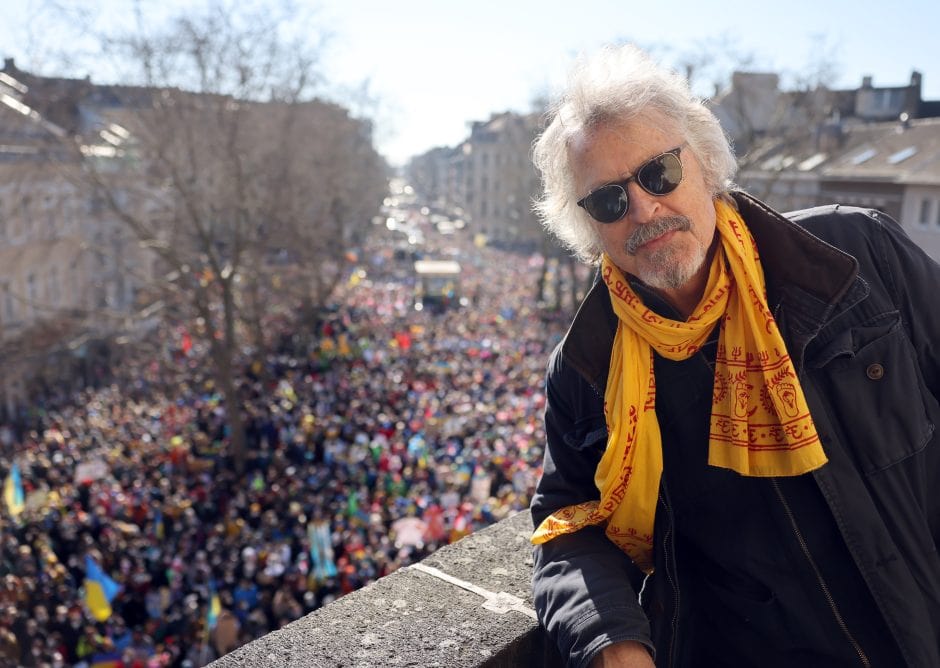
[[742, 461]]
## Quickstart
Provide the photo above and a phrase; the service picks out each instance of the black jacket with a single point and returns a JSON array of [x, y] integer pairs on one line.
[[858, 305]]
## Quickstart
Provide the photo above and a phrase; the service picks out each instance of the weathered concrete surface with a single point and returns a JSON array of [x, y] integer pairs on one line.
[[413, 618]]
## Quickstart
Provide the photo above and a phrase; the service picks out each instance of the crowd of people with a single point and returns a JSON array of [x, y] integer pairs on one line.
[[373, 438]]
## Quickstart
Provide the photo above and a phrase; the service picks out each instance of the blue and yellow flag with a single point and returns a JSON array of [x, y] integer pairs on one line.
[[106, 660], [100, 590], [215, 607], [13, 492], [321, 550], [158, 529]]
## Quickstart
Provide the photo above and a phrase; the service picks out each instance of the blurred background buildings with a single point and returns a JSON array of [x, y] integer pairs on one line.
[[871, 146], [72, 275]]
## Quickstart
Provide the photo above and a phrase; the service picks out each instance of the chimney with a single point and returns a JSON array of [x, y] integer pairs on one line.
[[830, 134], [866, 81]]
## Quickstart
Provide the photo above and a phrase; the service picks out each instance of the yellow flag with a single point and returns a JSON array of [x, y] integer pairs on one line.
[[13, 492]]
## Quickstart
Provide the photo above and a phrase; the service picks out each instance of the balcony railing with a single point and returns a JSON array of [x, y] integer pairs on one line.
[[467, 605]]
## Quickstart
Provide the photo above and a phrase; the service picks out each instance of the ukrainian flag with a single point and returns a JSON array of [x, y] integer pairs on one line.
[[13, 492], [107, 660], [158, 528], [215, 607], [100, 590]]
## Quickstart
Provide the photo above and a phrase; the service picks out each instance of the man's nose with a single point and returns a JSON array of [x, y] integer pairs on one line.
[[643, 206]]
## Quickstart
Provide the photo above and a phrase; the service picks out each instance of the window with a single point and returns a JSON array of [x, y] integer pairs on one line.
[[924, 211], [864, 156], [96, 204], [887, 99], [32, 294], [812, 162], [9, 304], [902, 155], [52, 289]]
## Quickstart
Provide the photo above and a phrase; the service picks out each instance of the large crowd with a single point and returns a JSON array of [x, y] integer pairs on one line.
[[373, 438]]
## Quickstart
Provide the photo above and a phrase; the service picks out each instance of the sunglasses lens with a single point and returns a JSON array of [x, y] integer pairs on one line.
[[660, 175], [607, 204]]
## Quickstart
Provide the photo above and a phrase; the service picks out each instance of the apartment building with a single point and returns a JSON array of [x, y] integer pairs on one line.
[[489, 176], [874, 146], [69, 272]]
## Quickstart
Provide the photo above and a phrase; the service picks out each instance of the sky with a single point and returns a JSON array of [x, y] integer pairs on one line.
[[431, 67]]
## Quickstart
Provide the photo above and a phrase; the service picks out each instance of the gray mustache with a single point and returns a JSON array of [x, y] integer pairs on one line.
[[657, 228]]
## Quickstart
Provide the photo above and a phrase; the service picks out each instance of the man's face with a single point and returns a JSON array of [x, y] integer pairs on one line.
[[672, 261]]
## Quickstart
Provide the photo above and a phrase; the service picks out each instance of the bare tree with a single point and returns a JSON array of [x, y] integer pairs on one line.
[[222, 164], [771, 124]]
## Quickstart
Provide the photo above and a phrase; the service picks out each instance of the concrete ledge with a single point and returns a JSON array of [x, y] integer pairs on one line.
[[467, 605]]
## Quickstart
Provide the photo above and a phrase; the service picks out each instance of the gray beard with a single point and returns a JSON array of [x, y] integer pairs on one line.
[[667, 269]]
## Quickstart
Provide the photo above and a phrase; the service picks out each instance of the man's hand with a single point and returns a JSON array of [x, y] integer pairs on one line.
[[626, 654]]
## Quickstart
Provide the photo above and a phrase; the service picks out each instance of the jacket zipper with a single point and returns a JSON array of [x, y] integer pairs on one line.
[[819, 578], [673, 582]]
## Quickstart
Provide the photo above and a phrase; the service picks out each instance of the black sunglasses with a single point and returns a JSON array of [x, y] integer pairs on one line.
[[659, 175]]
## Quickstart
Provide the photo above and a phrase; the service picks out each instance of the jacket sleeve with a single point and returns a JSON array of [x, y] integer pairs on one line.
[[583, 585], [914, 280]]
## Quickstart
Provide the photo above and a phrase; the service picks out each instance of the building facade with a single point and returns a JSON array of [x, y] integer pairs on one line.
[[70, 273], [489, 178], [875, 147]]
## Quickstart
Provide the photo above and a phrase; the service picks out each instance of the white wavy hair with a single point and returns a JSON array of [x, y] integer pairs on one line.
[[618, 84]]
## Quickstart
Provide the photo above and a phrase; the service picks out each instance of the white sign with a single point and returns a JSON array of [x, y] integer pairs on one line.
[[96, 469]]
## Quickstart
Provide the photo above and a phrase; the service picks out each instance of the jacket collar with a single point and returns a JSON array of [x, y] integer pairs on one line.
[[808, 282]]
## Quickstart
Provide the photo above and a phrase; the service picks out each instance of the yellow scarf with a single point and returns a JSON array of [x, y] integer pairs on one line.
[[760, 423]]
